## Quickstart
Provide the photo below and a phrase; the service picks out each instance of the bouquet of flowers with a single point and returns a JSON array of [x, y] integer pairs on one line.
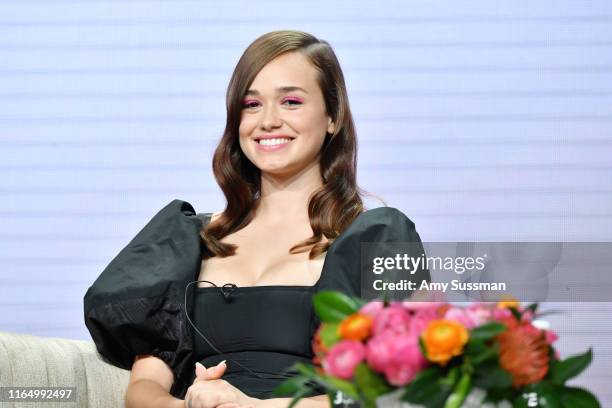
[[435, 354]]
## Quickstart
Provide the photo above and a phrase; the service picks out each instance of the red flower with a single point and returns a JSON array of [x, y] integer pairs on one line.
[[523, 352], [318, 347]]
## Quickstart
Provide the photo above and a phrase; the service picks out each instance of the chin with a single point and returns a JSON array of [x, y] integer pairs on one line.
[[276, 170]]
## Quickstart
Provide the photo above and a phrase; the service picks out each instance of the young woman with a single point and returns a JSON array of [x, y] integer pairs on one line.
[[292, 226]]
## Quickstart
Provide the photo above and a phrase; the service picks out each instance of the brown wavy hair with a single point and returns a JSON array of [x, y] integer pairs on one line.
[[338, 202]]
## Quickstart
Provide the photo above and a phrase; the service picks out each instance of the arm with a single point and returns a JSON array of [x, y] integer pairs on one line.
[[150, 383], [319, 401]]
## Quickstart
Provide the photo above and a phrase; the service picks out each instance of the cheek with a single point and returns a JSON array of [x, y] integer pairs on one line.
[[308, 123], [315, 125], [245, 129]]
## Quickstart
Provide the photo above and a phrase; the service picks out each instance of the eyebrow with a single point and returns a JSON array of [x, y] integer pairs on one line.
[[279, 90]]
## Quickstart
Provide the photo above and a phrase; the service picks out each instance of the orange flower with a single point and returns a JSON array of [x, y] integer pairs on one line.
[[523, 352], [355, 327], [444, 339], [507, 303]]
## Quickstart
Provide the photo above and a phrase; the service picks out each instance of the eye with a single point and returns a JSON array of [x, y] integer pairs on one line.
[[250, 103], [292, 101]]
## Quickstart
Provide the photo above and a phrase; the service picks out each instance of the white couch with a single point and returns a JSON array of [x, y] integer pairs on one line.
[[30, 361]]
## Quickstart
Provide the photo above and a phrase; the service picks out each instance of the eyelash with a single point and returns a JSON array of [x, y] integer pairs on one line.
[[249, 103]]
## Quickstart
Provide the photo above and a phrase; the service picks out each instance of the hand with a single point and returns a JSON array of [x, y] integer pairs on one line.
[[209, 391]]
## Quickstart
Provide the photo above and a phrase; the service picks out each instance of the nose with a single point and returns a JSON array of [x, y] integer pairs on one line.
[[271, 118]]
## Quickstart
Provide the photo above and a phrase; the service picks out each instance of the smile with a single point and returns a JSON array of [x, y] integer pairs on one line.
[[272, 144]]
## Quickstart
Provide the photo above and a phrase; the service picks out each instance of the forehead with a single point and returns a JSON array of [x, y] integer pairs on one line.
[[289, 69]]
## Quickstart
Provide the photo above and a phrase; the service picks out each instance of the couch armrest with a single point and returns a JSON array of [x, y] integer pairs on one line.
[[31, 361]]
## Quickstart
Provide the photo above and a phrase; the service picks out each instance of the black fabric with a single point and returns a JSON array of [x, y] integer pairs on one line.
[[135, 305], [260, 330]]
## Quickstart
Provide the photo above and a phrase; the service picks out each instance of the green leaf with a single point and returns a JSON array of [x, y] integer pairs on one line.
[[532, 308], [427, 388], [422, 347], [516, 313], [329, 334], [496, 395], [486, 355], [360, 302], [337, 384], [475, 347], [487, 331], [298, 396], [575, 397], [561, 371], [328, 382], [487, 377], [333, 307], [296, 388], [369, 383], [290, 386]]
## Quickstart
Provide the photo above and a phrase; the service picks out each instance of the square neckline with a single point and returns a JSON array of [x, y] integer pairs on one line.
[[252, 287]]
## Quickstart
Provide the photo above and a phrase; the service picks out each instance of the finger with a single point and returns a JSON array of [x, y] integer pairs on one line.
[[210, 373], [217, 371], [201, 371]]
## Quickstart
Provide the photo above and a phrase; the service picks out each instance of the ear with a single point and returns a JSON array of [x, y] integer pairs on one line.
[[330, 126]]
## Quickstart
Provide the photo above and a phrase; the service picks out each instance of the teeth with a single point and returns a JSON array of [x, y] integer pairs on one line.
[[273, 142]]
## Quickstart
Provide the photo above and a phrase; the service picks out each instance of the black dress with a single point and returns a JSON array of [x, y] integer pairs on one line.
[[136, 306]]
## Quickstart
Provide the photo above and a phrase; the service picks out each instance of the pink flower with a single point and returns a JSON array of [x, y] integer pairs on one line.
[[400, 374], [372, 308], [407, 352], [551, 336], [396, 355], [379, 351], [343, 358], [420, 320], [394, 318], [468, 317], [501, 314], [527, 315], [417, 306]]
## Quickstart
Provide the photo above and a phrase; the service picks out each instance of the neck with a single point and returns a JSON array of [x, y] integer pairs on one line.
[[286, 197]]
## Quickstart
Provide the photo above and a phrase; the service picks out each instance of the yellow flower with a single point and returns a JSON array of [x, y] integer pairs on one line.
[[355, 327], [444, 339]]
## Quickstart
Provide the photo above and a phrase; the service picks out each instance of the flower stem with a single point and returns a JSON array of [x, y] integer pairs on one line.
[[460, 392]]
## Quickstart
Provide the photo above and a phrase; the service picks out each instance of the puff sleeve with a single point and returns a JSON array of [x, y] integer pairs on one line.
[[384, 225], [135, 306]]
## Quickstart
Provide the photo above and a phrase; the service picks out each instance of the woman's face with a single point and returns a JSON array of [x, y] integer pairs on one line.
[[284, 122]]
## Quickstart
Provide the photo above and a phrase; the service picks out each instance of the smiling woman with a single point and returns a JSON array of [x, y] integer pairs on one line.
[[293, 226]]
